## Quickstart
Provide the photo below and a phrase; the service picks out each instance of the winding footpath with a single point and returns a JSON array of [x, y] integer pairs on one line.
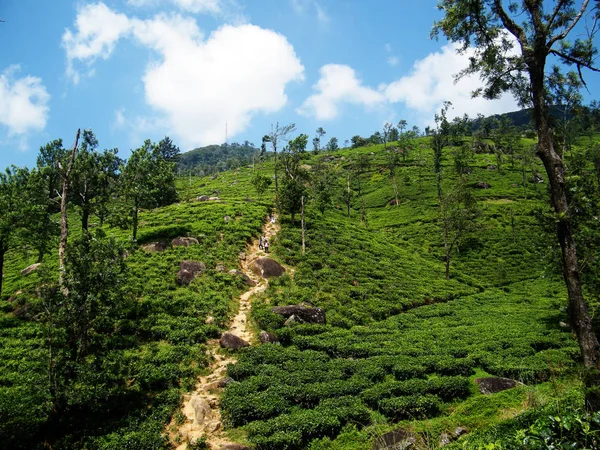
[[201, 407]]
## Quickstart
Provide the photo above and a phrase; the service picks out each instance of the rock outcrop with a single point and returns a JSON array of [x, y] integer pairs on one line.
[[267, 268], [153, 247], [184, 241], [302, 314], [267, 338], [188, 270], [492, 385], [230, 340]]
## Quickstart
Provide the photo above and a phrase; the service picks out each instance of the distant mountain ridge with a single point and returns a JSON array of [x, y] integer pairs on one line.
[[217, 158]]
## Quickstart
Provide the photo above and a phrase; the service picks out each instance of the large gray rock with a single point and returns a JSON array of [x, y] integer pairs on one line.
[[153, 247], [184, 241], [492, 385], [267, 338], [230, 340], [188, 270], [202, 198], [301, 313], [267, 268], [482, 185], [201, 407], [395, 440], [32, 268]]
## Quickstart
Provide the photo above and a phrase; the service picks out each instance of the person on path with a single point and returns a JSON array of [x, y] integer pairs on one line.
[[266, 245], [260, 242], [272, 219]]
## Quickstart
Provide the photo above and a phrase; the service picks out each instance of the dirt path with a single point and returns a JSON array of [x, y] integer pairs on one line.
[[201, 407]]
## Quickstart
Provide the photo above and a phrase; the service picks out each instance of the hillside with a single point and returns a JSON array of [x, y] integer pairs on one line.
[[216, 158], [401, 346]]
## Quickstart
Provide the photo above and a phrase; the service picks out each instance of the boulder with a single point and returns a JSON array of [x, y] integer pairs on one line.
[[399, 439], [492, 385], [267, 338], [32, 268], [245, 278], [230, 340], [153, 247], [459, 431], [292, 320], [394, 202], [184, 241], [201, 408], [188, 270], [267, 268], [482, 185], [202, 198], [214, 199], [301, 313]]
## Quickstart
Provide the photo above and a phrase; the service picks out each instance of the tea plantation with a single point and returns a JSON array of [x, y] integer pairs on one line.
[[402, 345]]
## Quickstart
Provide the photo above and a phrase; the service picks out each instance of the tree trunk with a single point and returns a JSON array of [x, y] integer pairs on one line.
[[448, 254], [64, 222], [2, 252], [135, 222], [348, 198], [276, 179], [553, 163], [85, 217], [302, 220]]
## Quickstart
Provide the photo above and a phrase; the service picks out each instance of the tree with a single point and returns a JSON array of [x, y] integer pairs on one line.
[[565, 96], [463, 158], [169, 151], [458, 214], [147, 181], [295, 177], [83, 321], [358, 141], [387, 130], [510, 52], [332, 145], [65, 167], [320, 133], [94, 177], [439, 139], [323, 182], [261, 183], [277, 133], [392, 163]]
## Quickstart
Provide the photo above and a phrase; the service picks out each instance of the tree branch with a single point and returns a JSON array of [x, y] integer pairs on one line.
[[557, 8], [564, 34], [510, 24]]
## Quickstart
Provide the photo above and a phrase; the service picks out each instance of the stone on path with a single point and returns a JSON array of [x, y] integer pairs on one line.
[[267, 268], [201, 408]]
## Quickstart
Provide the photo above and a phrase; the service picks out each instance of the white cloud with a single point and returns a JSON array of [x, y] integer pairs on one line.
[[431, 82], [338, 84], [423, 90], [23, 104], [198, 84], [193, 6], [98, 29]]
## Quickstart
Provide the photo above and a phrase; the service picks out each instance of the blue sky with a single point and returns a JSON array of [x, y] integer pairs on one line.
[[137, 69]]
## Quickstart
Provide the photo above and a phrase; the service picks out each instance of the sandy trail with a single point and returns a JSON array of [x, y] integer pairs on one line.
[[201, 407]]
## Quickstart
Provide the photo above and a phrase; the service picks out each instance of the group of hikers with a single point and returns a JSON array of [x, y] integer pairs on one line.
[[263, 242]]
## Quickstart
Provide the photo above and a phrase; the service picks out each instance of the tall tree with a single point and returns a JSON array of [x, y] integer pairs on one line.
[[294, 189], [320, 133], [66, 167], [510, 49], [332, 145], [439, 139], [277, 134], [147, 181]]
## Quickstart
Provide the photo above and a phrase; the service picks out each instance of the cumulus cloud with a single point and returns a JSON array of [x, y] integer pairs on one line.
[[200, 83], [431, 82], [97, 30], [423, 90], [338, 84], [23, 103]]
